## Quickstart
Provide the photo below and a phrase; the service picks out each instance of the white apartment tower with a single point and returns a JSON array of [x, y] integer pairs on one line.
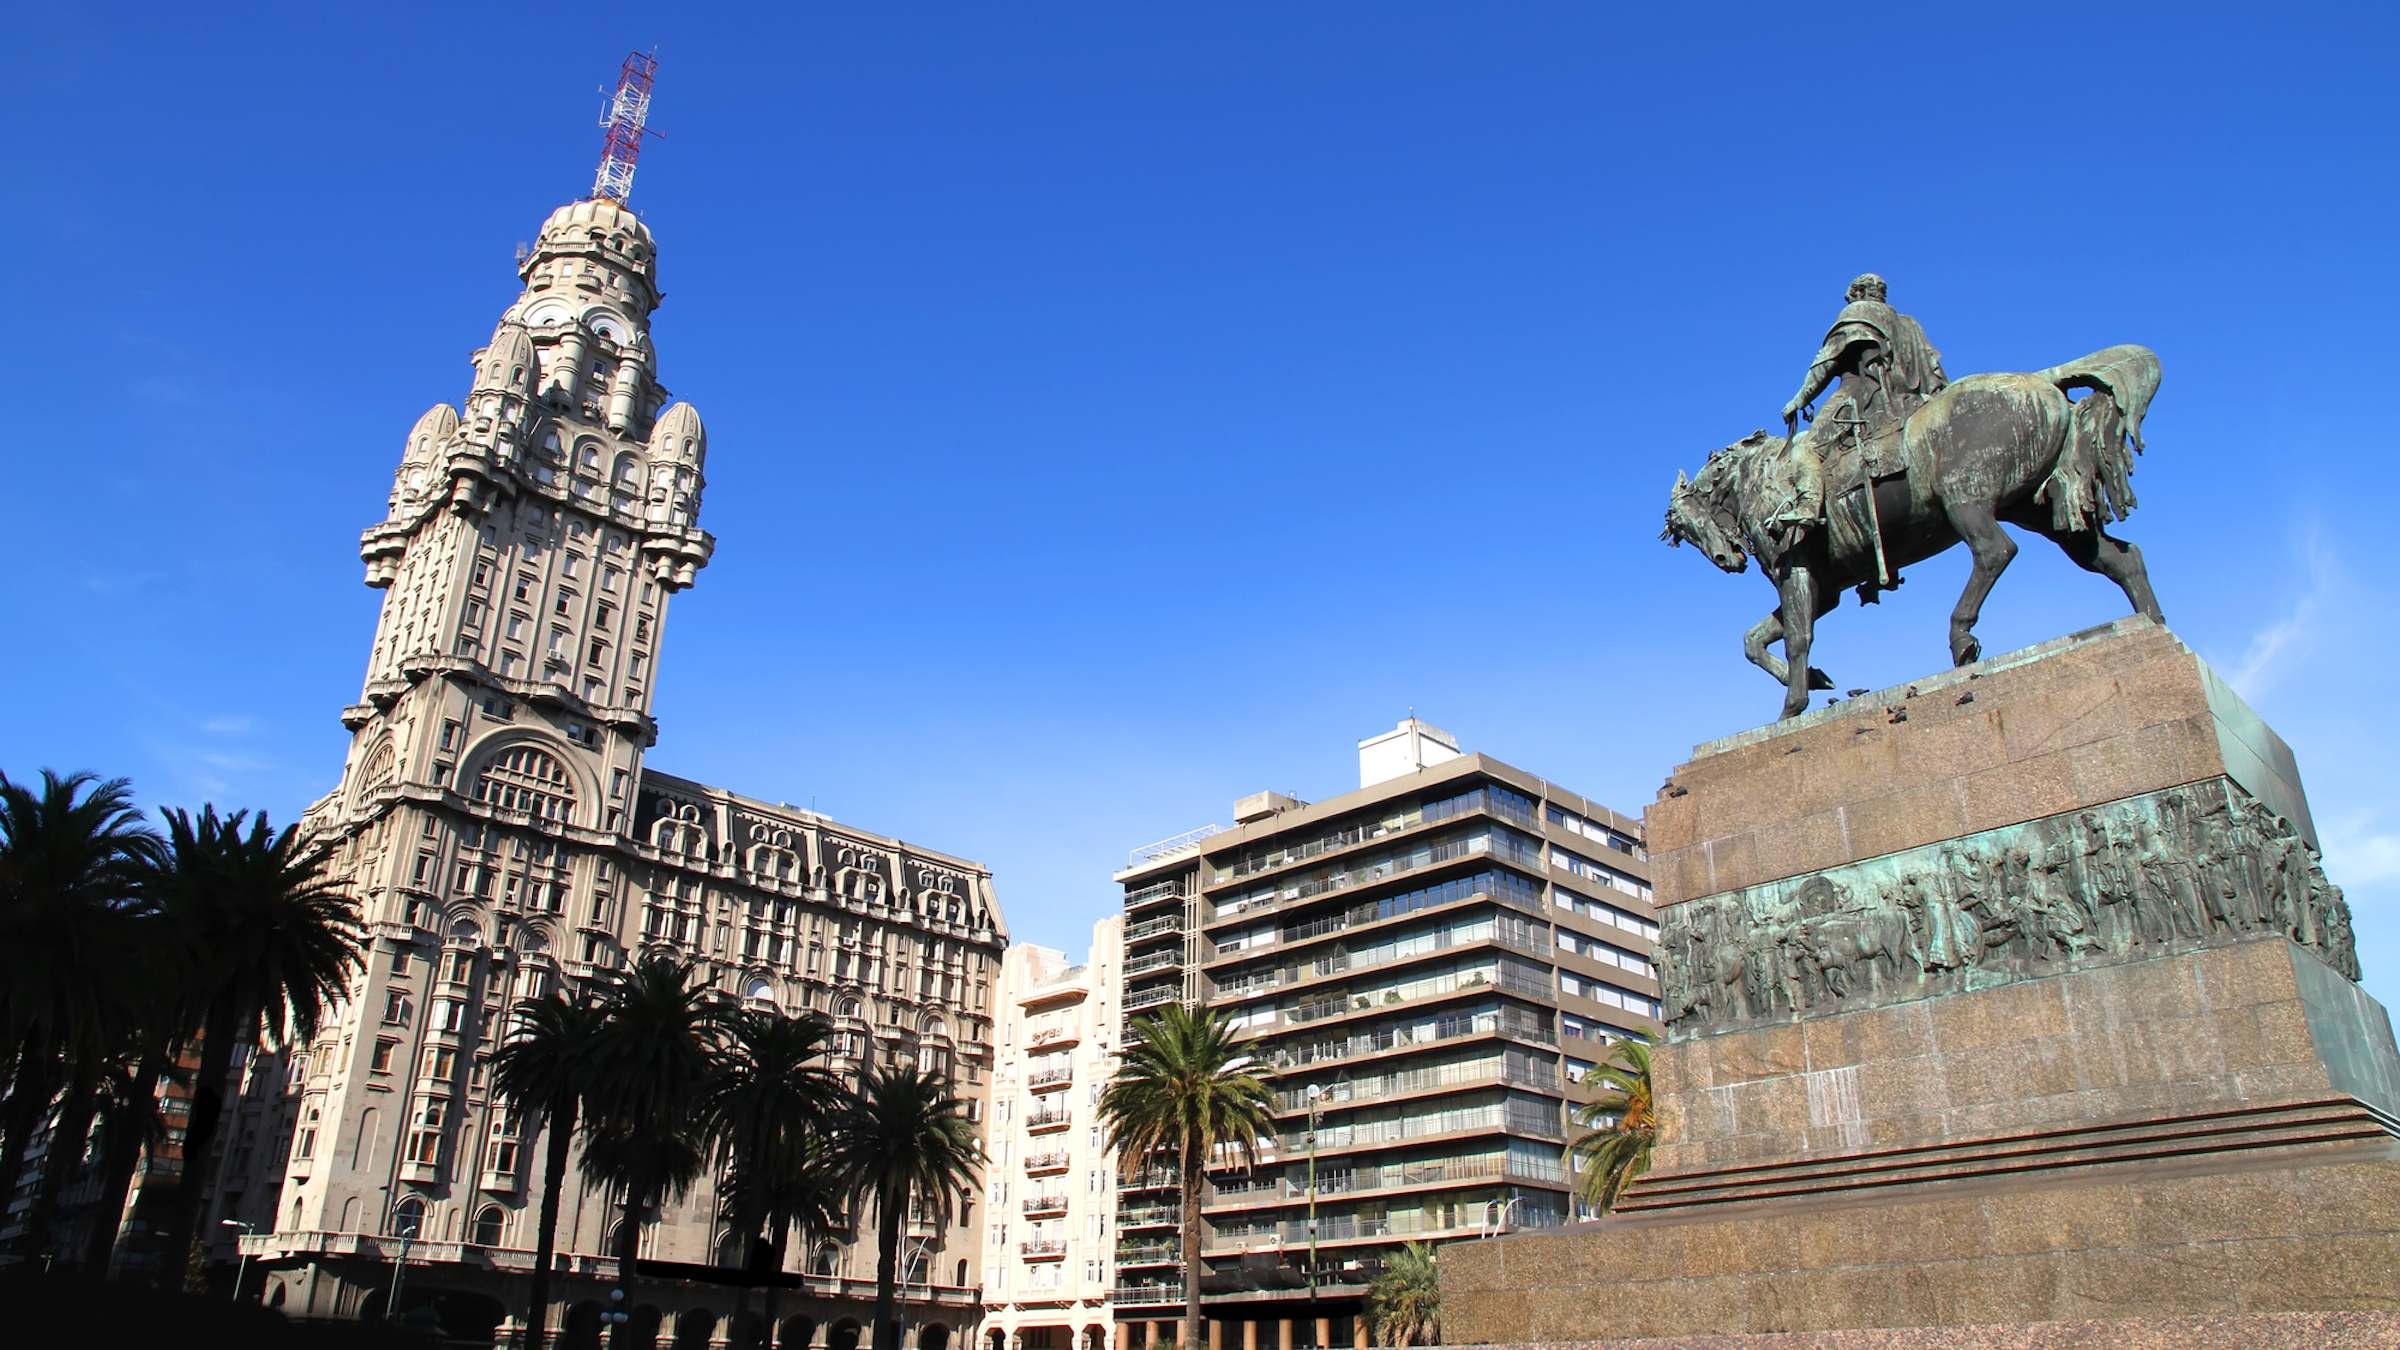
[[1049, 1250], [502, 833]]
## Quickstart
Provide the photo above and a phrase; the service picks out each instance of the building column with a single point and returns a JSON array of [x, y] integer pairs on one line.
[[1216, 1334], [1324, 1333], [1249, 1333], [1358, 1332], [1124, 1336], [1283, 1333], [1149, 1335]]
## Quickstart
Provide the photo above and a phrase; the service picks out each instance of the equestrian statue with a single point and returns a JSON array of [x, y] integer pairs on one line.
[[1904, 462]]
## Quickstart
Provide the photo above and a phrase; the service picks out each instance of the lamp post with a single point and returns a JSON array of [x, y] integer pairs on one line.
[[1316, 1093], [241, 1267], [391, 1301], [923, 1262]]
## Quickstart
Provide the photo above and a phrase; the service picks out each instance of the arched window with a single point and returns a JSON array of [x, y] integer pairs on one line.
[[829, 1259], [408, 1217], [529, 780], [759, 991], [378, 771], [488, 1226], [628, 470]]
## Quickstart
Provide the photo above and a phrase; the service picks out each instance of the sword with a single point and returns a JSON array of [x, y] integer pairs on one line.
[[1848, 415]]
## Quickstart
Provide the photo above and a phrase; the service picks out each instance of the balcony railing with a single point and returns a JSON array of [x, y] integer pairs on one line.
[[1150, 928], [1159, 960], [1047, 1078], [1149, 1294], [1042, 1250], [1346, 1090], [1056, 1160], [1151, 998], [1154, 893], [1045, 1204], [1149, 1216], [1524, 1027], [1149, 1254], [1049, 1120], [1150, 1179]]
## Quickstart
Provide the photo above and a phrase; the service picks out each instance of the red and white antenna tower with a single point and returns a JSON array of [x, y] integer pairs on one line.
[[627, 113]]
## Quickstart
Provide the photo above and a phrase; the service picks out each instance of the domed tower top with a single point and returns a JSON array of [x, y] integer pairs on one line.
[[596, 248]]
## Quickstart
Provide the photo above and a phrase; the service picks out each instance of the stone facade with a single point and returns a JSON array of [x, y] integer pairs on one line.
[[502, 833], [1050, 1245]]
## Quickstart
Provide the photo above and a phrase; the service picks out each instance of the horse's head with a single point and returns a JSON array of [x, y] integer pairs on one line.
[[1697, 516]]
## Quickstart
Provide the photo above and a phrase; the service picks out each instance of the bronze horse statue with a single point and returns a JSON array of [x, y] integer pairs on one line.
[[1987, 449]]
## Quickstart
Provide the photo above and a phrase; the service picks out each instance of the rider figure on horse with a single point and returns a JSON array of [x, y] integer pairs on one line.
[[1887, 369]]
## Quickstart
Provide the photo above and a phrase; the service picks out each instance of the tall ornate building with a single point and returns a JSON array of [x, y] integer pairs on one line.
[[502, 833]]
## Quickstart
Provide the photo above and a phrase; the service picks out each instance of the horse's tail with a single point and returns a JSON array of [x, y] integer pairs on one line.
[[2092, 483]]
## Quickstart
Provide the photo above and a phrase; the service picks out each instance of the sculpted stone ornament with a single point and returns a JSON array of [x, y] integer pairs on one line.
[[1907, 463], [2145, 876]]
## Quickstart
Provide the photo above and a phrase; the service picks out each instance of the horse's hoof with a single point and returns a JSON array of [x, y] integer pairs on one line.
[[1965, 653], [1818, 679]]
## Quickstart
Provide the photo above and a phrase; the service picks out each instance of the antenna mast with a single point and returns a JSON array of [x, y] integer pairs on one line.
[[627, 113]]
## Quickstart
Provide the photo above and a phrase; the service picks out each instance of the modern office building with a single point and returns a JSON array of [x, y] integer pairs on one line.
[[1049, 1250], [1428, 966], [502, 832]]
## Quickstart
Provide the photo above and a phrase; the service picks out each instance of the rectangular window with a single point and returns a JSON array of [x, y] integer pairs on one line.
[[400, 961], [381, 1060], [395, 1009], [566, 603], [604, 615], [597, 655], [450, 732], [574, 565], [524, 589], [474, 613]]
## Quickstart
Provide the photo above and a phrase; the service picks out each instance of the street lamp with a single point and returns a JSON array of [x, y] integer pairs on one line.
[[1316, 1093], [408, 1234], [923, 1263], [241, 1267]]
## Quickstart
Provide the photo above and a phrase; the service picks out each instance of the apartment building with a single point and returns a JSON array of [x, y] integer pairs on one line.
[[1048, 1253], [1428, 966]]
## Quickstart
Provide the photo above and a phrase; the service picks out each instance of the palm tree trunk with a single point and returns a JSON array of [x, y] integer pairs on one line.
[[200, 1134], [629, 1246], [888, 1209], [778, 1233], [29, 1095], [1191, 1242], [123, 1126], [545, 1242], [67, 1138]]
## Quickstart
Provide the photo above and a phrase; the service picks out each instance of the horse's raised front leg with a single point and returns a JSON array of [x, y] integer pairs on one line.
[[1799, 587], [1993, 549]]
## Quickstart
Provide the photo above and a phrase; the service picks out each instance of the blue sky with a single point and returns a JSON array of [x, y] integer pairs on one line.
[[1117, 410]]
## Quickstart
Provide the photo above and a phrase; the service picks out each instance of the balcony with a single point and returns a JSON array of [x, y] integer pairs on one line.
[[1149, 1216], [1149, 1254], [1164, 959], [1043, 1206], [1148, 1294], [1149, 1179], [1038, 1164], [1157, 893], [1150, 928], [1044, 1249], [1049, 1120], [1044, 1080], [1151, 998]]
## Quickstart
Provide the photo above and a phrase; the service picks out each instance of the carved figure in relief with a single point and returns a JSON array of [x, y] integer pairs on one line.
[[2184, 868]]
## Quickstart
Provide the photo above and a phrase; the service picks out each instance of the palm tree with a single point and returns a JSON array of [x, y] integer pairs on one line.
[[1620, 1123], [795, 1191], [1185, 1087], [769, 1088], [73, 858], [542, 1070], [1405, 1302], [650, 1064], [903, 1139], [273, 940]]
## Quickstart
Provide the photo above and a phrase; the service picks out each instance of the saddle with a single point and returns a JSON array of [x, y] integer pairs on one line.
[[1846, 522]]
